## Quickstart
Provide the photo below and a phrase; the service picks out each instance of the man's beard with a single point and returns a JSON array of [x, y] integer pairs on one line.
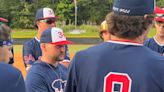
[[59, 58]]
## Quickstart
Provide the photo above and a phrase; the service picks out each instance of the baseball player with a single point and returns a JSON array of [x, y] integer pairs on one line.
[[47, 74], [103, 32], [44, 18], [11, 79], [6, 22], [157, 42], [122, 64]]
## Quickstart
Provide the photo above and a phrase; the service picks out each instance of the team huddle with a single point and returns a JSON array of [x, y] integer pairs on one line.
[[126, 60]]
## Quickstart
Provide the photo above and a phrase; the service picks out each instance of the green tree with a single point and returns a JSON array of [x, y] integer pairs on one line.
[[160, 3], [24, 17], [93, 11], [65, 11]]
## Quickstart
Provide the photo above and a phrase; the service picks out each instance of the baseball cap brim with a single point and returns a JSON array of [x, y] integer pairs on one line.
[[62, 42], [159, 10], [159, 19], [3, 20]]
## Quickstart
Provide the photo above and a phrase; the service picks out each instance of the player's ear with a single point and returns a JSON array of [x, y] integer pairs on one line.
[[145, 16], [37, 23], [43, 46]]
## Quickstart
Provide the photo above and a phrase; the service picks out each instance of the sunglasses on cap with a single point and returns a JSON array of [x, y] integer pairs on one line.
[[8, 24], [160, 22], [48, 21], [8, 42]]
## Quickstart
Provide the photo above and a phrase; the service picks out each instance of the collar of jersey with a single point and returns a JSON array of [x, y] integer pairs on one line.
[[157, 42], [125, 42], [37, 39]]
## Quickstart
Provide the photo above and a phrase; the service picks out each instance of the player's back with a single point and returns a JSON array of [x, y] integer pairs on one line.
[[11, 79], [115, 67]]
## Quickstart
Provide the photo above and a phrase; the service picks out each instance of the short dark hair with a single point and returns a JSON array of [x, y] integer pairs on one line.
[[5, 32], [130, 27]]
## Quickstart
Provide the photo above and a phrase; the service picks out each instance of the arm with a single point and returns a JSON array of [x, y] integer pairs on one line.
[[28, 57]]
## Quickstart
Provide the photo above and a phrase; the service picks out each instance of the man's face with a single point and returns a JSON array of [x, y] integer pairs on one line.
[[5, 53], [159, 27], [46, 23], [55, 52]]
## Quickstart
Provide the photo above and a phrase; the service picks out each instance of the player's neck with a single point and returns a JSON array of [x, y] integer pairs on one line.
[[38, 36], [49, 61], [39, 33], [137, 40], [160, 39]]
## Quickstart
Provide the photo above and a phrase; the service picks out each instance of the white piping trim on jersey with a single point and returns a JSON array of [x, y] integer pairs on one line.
[[157, 42], [37, 39], [125, 43]]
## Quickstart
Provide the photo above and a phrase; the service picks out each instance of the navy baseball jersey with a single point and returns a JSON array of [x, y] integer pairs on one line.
[[43, 77], [116, 67], [153, 44], [11, 79], [32, 51]]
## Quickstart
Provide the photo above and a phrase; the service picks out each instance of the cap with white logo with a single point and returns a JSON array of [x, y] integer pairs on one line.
[[54, 36], [45, 13]]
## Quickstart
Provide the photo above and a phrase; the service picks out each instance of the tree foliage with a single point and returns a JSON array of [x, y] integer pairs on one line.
[[21, 13]]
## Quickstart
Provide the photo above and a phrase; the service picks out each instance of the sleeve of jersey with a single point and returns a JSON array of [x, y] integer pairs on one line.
[[28, 54], [67, 56], [35, 83], [72, 77]]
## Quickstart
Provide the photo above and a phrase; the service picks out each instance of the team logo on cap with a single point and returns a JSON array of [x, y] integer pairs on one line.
[[50, 12]]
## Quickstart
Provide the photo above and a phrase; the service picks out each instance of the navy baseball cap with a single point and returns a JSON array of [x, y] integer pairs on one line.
[[159, 14], [134, 7], [45, 13], [54, 36]]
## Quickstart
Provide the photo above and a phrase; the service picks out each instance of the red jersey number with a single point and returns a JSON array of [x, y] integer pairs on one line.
[[113, 78]]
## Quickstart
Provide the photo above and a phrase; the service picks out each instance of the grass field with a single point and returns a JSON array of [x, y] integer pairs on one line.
[[19, 61], [17, 33]]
